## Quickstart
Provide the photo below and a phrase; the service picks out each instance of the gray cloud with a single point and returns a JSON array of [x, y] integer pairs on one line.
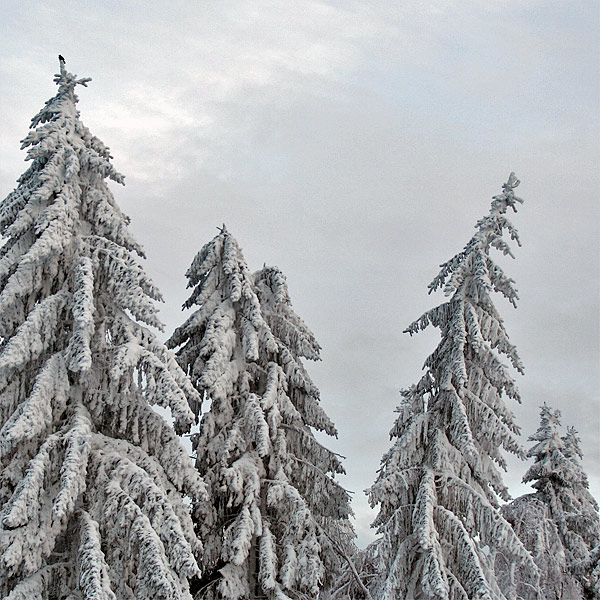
[[355, 145]]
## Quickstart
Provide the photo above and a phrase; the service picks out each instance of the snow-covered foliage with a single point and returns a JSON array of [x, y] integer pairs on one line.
[[531, 520], [93, 482], [439, 484], [357, 576], [559, 524], [276, 506]]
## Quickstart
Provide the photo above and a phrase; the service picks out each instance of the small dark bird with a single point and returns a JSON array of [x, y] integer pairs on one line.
[[61, 58]]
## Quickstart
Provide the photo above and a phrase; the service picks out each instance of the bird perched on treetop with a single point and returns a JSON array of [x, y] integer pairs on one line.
[[61, 58]]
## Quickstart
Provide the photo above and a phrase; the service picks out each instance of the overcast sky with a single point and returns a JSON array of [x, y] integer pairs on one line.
[[354, 145]]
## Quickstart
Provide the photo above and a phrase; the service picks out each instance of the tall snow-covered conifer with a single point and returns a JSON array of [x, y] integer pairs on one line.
[[438, 485], [92, 480], [276, 507], [565, 540], [557, 475]]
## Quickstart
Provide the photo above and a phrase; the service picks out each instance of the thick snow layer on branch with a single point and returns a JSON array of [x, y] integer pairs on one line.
[[83, 316], [93, 578]]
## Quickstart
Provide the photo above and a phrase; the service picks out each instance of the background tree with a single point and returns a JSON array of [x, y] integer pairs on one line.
[[276, 508], [439, 483], [92, 480], [559, 524], [356, 577]]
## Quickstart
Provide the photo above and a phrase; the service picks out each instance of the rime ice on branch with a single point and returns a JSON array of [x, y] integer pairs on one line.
[[92, 480], [275, 503], [356, 576], [438, 485]]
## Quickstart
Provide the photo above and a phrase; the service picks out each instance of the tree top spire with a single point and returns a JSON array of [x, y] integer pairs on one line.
[[67, 81], [512, 183]]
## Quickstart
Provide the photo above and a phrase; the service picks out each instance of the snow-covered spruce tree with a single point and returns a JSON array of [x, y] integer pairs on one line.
[[567, 526], [93, 482], [580, 526], [532, 521], [438, 485], [277, 511]]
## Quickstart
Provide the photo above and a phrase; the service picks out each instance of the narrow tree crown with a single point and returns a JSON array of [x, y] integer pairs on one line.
[[439, 483]]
